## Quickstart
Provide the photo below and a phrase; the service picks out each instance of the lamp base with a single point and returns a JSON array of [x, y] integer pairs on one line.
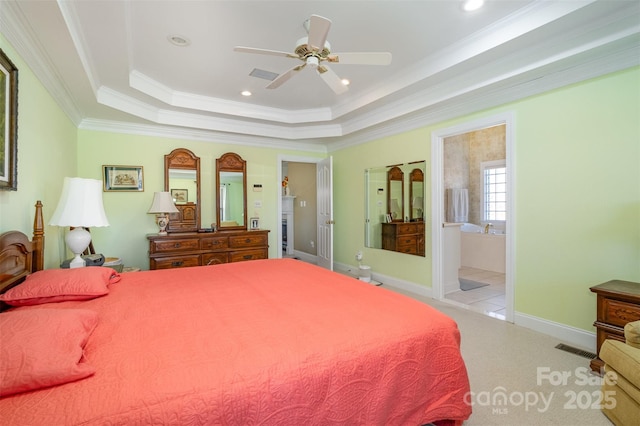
[[78, 240], [77, 262], [163, 222]]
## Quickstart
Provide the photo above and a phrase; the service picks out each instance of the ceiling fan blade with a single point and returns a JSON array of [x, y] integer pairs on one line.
[[264, 51], [284, 77], [360, 58], [332, 79], [318, 30]]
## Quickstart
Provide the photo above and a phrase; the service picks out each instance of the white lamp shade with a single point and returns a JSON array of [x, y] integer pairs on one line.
[[417, 203], [80, 204], [162, 203]]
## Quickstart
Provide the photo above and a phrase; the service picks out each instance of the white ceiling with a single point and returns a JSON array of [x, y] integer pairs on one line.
[[110, 65]]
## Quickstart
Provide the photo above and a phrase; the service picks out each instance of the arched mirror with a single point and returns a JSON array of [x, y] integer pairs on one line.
[[416, 195], [395, 194], [231, 194], [182, 180]]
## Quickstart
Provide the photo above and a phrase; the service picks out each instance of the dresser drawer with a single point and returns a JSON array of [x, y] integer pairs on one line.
[[174, 262], [239, 256], [175, 245], [214, 258], [408, 228], [248, 241], [214, 243], [619, 313]]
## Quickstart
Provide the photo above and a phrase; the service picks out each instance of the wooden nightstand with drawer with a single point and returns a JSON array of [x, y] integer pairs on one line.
[[618, 303], [181, 250]]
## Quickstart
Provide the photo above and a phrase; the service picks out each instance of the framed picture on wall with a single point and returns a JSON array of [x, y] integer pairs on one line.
[[180, 195], [122, 178], [8, 124], [254, 223]]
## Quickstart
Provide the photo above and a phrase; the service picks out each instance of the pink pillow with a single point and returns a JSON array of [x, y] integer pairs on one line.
[[59, 285], [43, 347]]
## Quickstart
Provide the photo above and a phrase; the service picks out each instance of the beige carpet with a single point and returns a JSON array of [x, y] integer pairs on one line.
[[523, 367]]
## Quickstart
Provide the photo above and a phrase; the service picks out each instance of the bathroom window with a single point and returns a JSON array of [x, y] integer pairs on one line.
[[494, 191]]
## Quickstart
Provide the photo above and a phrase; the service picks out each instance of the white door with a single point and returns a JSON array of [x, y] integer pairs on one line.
[[324, 183]]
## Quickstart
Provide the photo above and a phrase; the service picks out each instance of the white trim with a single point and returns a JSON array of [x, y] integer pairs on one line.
[[437, 201], [295, 159], [386, 280], [566, 333]]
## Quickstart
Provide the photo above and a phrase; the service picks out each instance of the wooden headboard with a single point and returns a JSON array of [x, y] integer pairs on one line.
[[18, 256]]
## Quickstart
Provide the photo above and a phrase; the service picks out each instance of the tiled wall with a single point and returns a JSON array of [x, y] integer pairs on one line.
[[462, 157]]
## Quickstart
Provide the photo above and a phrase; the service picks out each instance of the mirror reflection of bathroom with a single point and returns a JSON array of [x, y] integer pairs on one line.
[[475, 190]]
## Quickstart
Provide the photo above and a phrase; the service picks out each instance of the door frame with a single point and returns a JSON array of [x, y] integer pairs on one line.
[[438, 207], [290, 159]]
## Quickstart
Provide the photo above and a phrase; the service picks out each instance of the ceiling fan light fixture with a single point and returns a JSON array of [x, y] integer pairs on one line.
[[345, 81], [246, 93]]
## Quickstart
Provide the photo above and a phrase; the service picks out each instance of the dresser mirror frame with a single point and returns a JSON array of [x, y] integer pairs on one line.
[[395, 194], [230, 169], [416, 195], [182, 171]]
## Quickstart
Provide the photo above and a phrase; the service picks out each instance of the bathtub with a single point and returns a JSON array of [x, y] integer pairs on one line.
[[480, 250]]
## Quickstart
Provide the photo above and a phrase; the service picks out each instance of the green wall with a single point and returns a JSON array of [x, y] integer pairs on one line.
[[46, 154], [577, 177], [577, 190], [127, 211]]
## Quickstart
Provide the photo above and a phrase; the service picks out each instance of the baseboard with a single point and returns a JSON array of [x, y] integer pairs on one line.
[[311, 258], [386, 280], [575, 336], [568, 334]]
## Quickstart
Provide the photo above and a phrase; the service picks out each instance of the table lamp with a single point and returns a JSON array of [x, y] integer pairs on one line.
[[418, 205], [162, 205], [80, 206]]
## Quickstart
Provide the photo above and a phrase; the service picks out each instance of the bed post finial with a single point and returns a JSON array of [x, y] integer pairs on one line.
[[38, 239]]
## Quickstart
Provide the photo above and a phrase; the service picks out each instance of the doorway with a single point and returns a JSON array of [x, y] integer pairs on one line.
[[298, 209], [446, 236]]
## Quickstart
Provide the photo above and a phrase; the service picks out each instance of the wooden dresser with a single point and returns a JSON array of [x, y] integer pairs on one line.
[[404, 237], [618, 303], [180, 250]]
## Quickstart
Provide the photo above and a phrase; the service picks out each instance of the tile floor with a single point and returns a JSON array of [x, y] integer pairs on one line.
[[489, 299]]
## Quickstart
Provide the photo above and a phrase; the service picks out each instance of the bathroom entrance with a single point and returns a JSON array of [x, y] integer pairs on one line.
[[473, 211]]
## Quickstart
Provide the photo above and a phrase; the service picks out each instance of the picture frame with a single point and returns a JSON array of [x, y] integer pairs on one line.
[[180, 196], [389, 219], [8, 124], [122, 178], [254, 223]]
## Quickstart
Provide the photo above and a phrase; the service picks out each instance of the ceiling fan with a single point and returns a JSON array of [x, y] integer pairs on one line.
[[315, 51]]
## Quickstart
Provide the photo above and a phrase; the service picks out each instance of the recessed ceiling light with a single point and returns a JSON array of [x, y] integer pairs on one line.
[[245, 93], [471, 5], [179, 40]]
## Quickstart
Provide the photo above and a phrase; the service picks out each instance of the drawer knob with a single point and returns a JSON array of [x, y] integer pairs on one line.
[[177, 245], [248, 240], [176, 264], [247, 256]]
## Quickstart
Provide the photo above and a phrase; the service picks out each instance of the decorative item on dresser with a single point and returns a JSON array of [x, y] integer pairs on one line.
[[206, 248], [618, 304], [403, 237]]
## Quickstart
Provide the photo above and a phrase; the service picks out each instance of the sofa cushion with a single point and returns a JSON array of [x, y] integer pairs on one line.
[[623, 358], [632, 334]]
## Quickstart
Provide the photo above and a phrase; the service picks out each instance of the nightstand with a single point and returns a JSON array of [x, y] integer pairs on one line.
[[618, 304]]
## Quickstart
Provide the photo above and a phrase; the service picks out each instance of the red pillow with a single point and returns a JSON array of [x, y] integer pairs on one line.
[[43, 347], [59, 285]]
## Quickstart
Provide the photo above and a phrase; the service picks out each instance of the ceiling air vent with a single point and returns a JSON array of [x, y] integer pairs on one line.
[[267, 75]]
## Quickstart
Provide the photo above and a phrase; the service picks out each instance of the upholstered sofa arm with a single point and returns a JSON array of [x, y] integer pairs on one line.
[[632, 334], [623, 358]]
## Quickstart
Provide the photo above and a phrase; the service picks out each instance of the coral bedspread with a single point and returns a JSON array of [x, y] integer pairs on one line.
[[264, 342]]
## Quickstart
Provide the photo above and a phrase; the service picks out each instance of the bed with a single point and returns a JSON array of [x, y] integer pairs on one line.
[[268, 342]]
